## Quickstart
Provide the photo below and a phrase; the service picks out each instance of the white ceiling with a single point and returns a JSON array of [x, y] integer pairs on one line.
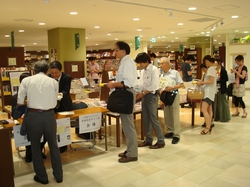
[[116, 17]]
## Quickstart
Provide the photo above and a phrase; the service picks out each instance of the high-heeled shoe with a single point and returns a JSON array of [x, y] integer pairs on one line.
[[244, 116], [236, 114], [204, 132]]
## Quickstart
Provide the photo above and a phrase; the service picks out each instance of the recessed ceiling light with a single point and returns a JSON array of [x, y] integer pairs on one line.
[[116, 38], [73, 13], [96, 44], [136, 19], [141, 36], [235, 16], [172, 32], [208, 31], [206, 39], [219, 43], [21, 31], [215, 40], [192, 8], [139, 29], [207, 34], [197, 34], [97, 27], [34, 43], [180, 24], [6, 35], [245, 31], [41, 23], [172, 40], [86, 38], [23, 45], [159, 36], [108, 34], [218, 36], [176, 38], [236, 30], [202, 32]]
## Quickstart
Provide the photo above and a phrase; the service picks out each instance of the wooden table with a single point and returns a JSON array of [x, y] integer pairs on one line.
[[193, 101]]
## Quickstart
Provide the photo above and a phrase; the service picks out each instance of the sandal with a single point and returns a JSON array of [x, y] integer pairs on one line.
[[236, 114], [244, 116], [204, 132]]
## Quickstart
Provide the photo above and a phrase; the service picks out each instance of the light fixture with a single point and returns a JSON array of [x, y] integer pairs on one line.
[[73, 13], [96, 27], [180, 24], [192, 8], [46, 1], [170, 14], [6, 35], [136, 19], [41, 23], [235, 16], [108, 34], [20, 30]]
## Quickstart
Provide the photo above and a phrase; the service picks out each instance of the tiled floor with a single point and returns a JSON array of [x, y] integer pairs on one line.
[[221, 159]]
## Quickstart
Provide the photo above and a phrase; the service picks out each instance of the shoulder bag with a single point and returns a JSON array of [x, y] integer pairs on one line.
[[121, 101], [168, 97]]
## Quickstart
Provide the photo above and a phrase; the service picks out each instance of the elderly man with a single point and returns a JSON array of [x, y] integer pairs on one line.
[[171, 113], [41, 92]]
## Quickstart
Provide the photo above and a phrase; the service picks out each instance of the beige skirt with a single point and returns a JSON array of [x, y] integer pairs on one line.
[[239, 91]]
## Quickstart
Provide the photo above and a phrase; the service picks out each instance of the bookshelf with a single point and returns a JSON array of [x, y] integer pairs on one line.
[[9, 81], [34, 56]]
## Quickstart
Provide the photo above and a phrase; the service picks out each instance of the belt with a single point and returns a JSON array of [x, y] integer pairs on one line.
[[38, 110]]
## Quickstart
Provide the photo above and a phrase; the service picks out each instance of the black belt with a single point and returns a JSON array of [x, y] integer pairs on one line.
[[38, 110]]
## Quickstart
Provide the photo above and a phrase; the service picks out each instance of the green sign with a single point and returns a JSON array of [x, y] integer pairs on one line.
[[77, 41], [12, 40], [181, 48], [137, 42]]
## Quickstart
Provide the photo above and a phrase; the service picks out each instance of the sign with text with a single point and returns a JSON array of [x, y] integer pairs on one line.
[[63, 134], [89, 122]]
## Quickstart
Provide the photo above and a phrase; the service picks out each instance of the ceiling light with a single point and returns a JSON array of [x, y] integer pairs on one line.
[[73, 13], [139, 29], [86, 38], [235, 16], [41, 23], [6, 35], [108, 34], [207, 35], [172, 40], [218, 36], [172, 32], [46, 1], [236, 30], [116, 38], [159, 36], [176, 38], [215, 40], [180, 24], [21, 31], [192, 8], [23, 45], [171, 14], [208, 31], [34, 43], [136, 19], [96, 27], [219, 43], [202, 32], [245, 32], [96, 44]]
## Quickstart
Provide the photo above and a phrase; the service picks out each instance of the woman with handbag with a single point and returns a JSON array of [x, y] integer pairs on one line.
[[222, 107], [209, 87], [239, 86]]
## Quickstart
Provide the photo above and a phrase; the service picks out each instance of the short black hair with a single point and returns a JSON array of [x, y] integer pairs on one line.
[[91, 58], [55, 65], [240, 58], [123, 46], [152, 55], [209, 58], [190, 57], [24, 75], [41, 66], [217, 59], [142, 57]]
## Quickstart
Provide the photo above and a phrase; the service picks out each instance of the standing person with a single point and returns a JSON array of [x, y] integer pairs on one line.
[[172, 113], [128, 74], [209, 86], [187, 71], [155, 61], [41, 92], [28, 154], [64, 81], [222, 110], [239, 86], [93, 69], [149, 82]]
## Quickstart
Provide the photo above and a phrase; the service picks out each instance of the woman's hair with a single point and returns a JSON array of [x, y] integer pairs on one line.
[[239, 58], [217, 59], [209, 58], [142, 57], [203, 66]]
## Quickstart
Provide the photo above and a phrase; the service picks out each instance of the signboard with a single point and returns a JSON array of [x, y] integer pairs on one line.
[[89, 122]]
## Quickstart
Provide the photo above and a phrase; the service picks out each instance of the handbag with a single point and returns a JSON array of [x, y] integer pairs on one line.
[[194, 94], [168, 97], [121, 101]]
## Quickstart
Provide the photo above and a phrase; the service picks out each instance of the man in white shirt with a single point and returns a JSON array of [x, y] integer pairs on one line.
[[128, 74], [149, 83], [41, 92], [172, 113]]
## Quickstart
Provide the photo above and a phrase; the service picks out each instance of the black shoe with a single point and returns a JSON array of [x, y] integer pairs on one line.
[[169, 135], [175, 140], [44, 156], [28, 159], [59, 180], [63, 149], [40, 181]]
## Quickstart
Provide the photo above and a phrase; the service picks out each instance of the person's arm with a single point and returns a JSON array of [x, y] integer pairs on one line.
[[66, 85]]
